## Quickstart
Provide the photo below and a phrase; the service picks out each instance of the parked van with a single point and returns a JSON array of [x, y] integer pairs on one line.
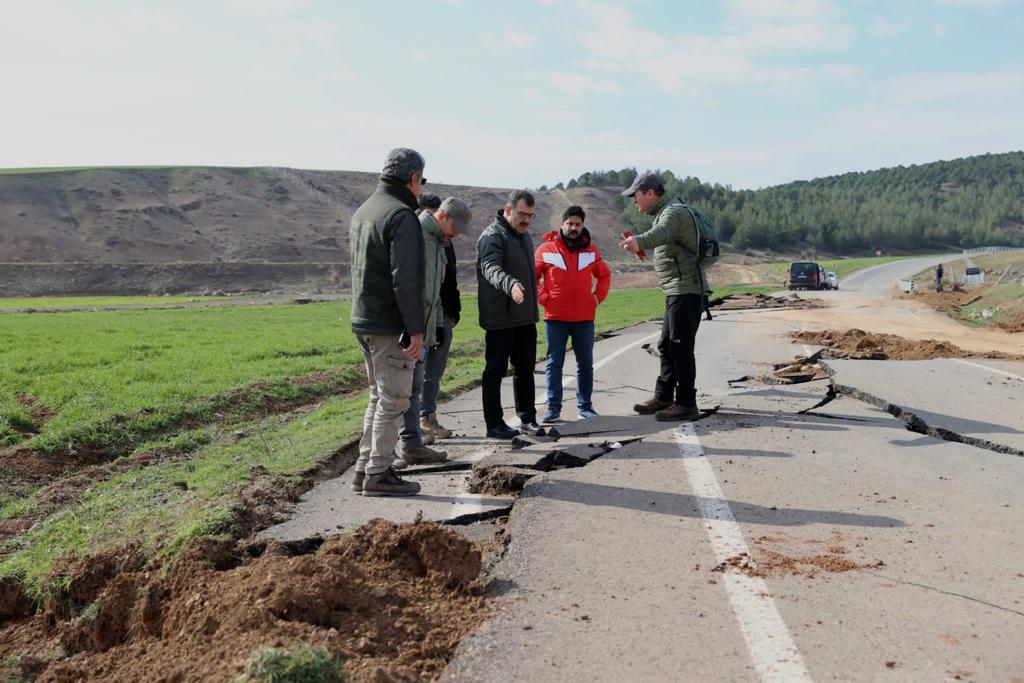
[[804, 275]]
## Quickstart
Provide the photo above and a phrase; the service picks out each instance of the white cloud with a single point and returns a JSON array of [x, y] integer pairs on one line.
[[757, 32]]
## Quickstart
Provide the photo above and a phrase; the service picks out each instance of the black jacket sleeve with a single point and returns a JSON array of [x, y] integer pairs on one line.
[[451, 300], [407, 268]]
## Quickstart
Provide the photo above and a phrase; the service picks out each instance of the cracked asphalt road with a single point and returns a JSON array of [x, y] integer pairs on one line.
[[625, 568]]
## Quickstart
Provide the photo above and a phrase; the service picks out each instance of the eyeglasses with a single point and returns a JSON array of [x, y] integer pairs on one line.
[[423, 181]]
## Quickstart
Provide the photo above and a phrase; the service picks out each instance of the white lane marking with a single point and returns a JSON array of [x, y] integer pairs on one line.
[[771, 647], [985, 367]]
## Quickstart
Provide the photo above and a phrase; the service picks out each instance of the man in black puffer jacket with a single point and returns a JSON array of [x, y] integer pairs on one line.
[[507, 301]]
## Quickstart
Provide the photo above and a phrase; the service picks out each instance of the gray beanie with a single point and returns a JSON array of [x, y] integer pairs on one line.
[[402, 162]]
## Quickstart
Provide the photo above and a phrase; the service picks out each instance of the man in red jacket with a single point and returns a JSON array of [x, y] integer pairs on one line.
[[567, 264]]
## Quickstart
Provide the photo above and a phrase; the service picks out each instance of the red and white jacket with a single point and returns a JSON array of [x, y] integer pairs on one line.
[[564, 277]]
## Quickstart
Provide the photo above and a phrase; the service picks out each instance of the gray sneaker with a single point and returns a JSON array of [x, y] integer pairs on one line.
[[357, 481], [388, 483]]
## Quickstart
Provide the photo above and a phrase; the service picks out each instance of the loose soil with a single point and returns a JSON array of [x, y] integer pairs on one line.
[[392, 601], [1013, 323], [739, 302], [860, 345], [498, 481], [767, 562]]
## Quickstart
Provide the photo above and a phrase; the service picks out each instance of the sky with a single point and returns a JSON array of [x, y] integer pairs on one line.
[[747, 93]]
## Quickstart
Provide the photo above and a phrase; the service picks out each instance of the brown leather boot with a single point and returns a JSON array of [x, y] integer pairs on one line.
[[430, 425], [651, 406], [677, 413], [418, 456], [388, 483]]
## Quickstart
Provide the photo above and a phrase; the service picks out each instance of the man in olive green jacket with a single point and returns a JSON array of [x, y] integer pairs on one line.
[[674, 238], [451, 218]]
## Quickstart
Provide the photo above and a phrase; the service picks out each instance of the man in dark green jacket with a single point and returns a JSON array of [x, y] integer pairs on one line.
[[507, 301], [386, 247], [673, 236]]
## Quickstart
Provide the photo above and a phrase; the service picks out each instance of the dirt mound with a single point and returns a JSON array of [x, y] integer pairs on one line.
[[1012, 323], [860, 345], [498, 481], [391, 601]]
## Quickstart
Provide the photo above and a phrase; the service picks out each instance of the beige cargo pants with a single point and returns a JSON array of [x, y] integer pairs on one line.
[[389, 373]]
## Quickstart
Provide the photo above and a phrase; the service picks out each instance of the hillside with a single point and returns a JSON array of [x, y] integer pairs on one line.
[[197, 214]]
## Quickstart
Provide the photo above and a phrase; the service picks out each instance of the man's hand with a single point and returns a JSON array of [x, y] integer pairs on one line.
[[412, 351], [518, 293], [629, 244]]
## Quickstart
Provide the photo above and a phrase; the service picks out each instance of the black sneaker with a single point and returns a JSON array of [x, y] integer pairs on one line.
[[388, 483], [532, 429], [502, 431]]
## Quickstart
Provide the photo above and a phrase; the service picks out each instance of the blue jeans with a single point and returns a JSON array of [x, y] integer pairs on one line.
[[410, 435], [582, 334], [433, 371]]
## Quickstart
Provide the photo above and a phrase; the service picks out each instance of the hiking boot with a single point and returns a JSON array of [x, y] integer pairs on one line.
[[388, 483], [426, 438], [677, 413], [651, 406], [357, 481], [420, 456], [430, 425]]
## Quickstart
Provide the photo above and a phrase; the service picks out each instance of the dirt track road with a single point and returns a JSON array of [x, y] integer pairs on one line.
[[777, 540]]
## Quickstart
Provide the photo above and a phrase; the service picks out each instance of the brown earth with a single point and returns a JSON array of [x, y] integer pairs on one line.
[[1013, 323], [392, 601], [858, 344], [497, 481]]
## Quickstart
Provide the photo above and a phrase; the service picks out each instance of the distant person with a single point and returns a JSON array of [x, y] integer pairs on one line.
[[568, 264], [386, 246], [437, 357], [438, 228], [428, 202], [938, 278], [507, 302], [673, 236]]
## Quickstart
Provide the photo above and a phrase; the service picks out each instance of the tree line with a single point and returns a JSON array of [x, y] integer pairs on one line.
[[974, 201]]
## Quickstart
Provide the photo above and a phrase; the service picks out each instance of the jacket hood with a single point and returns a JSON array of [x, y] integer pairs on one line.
[[431, 227]]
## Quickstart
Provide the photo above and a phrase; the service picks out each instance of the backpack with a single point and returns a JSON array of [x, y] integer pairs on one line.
[[708, 247]]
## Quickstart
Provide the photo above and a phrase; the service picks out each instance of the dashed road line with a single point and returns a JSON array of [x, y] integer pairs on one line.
[[768, 640]]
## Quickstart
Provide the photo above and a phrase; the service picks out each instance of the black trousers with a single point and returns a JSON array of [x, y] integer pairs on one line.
[[519, 345], [678, 365]]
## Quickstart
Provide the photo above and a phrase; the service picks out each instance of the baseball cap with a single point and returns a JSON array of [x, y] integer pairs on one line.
[[459, 211], [647, 180]]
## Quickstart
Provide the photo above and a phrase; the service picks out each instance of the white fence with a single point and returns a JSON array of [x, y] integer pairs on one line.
[[991, 250]]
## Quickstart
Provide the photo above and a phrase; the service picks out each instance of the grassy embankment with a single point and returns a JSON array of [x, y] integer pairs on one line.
[[1003, 298]]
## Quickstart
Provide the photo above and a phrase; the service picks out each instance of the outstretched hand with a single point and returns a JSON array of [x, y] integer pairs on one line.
[[629, 244]]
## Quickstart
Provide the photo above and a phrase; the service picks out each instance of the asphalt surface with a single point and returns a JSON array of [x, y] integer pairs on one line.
[[705, 551]]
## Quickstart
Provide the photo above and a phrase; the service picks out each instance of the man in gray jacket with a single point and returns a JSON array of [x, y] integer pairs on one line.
[[386, 246], [507, 300]]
